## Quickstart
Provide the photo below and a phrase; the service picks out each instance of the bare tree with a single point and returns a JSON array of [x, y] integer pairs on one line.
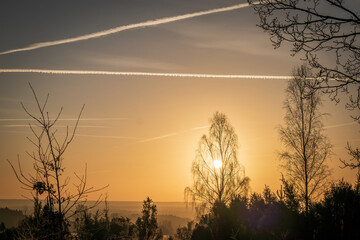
[[307, 148], [319, 28], [217, 174], [48, 157]]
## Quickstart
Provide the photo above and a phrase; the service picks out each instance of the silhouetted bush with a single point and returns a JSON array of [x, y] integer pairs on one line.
[[262, 216], [44, 223], [94, 226], [7, 233], [201, 232], [122, 228], [337, 216], [184, 233], [269, 216]]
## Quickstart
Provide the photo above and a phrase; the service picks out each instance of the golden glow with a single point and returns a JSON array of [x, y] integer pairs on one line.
[[217, 164]]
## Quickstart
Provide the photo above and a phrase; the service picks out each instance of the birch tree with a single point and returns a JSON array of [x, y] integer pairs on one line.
[[306, 146], [216, 171]]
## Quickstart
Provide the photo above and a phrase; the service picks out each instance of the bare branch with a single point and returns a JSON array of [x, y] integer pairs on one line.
[[322, 31]]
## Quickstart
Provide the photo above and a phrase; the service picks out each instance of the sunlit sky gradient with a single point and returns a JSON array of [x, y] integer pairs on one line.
[[140, 133]]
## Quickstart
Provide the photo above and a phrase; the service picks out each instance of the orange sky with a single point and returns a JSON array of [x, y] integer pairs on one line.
[[139, 134]]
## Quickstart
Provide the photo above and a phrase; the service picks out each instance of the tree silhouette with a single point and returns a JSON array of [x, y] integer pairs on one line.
[[217, 184], [319, 28], [304, 160], [147, 224], [48, 179]]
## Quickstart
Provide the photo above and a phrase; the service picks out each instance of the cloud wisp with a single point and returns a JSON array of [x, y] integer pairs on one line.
[[124, 28], [149, 74]]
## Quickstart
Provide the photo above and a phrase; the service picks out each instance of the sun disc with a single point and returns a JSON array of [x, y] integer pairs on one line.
[[217, 163]]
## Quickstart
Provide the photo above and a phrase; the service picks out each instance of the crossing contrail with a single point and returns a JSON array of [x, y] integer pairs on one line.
[[124, 28], [150, 74]]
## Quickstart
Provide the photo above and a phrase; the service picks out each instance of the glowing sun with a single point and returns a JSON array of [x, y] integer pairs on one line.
[[217, 164]]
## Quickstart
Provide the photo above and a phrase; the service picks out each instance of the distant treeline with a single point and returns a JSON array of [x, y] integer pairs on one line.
[[267, 215]]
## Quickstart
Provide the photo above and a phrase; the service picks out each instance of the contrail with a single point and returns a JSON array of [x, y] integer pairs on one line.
[[124, 28], [194, 75], [59, 126], [64, 119], [340, 125], [198, 128], [106, 136], [157, 138], [172, 134]]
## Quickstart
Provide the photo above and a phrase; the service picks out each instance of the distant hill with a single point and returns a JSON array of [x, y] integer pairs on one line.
[[117, 208], [10, 218]]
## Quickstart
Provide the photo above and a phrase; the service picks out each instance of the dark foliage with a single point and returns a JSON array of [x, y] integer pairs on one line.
[[7, 233], [267, 216], [338, 215], [262, 216], [201, 231], [184, 233], [45, 223], [94, 226]]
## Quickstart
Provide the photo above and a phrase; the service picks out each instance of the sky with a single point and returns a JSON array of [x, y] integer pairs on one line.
[[150, 81]]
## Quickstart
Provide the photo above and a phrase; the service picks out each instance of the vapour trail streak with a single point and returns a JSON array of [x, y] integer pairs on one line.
[[123, 28], [173, 134], [65, 119], [157, 138], [150, 74], [59, 126], [340, 125], [199, 128]]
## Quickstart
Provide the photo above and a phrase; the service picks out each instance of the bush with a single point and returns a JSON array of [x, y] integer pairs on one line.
[[338, 215]]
